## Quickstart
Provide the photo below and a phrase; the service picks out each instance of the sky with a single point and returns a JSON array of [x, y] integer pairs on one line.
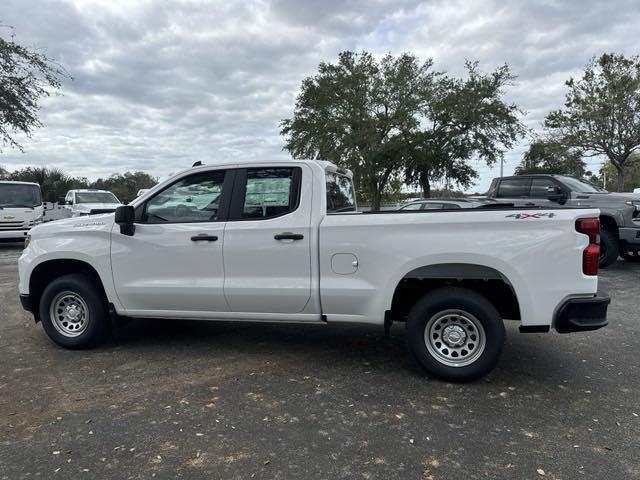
[[158, 85]]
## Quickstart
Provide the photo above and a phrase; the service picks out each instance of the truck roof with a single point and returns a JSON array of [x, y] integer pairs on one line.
[[15, 182], [89, 190], [324, 164]]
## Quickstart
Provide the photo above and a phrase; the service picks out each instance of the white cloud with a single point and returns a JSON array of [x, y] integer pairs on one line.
[[158, 85]]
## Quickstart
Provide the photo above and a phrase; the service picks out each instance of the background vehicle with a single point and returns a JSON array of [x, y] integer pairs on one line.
[[619, 212], [20, 209], [445, 203], [282, 242], [90, 202]]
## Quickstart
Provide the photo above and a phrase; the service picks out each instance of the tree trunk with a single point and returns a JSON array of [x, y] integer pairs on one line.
[[425, 185], [375, 194], [620, 183]]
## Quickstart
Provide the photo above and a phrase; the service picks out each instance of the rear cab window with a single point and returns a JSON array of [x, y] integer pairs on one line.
[[340, 193]]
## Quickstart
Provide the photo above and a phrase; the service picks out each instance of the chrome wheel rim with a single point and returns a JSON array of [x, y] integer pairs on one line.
[[455, 338], [69, 314]]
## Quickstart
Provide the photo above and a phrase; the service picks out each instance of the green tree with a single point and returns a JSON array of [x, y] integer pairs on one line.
[[463, 118], [54, 182], [609, 174], [26, 76], [125, 186], [602, 111], [358, 114], [548, 156]]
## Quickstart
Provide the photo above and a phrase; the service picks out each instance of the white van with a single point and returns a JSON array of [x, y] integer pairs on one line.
[[20, 209]]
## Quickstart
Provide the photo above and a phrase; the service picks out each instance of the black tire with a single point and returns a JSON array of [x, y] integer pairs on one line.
[[609, 248], [472, 308], [91, 329], [631, 258]]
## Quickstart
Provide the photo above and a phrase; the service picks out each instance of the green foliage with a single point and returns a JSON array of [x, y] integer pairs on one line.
[[631, 178], [462, 119], [55, 183], [26, 76], [602, 111], [125, 186], [548, 156], [357, 113], [397, 118]]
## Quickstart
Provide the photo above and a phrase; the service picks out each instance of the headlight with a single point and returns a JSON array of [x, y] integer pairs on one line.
[[27, 241]]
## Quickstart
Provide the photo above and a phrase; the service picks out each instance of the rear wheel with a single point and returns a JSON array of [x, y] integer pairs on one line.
[[455, 334], [73, 312], [609, 248]]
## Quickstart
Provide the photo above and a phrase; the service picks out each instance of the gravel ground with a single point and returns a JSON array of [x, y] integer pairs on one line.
[[178, 399]]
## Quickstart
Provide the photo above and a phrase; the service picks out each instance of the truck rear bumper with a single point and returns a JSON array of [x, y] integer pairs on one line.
[[582, 314]]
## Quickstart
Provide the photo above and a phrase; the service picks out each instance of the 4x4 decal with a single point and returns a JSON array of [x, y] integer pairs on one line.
[[521, 216]]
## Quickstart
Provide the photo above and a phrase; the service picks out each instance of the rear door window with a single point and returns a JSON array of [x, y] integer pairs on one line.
[[540, 187], [514, 187]]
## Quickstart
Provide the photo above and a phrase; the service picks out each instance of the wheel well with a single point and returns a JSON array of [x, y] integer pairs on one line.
[[48, 271], [486, 281], [608, 223]]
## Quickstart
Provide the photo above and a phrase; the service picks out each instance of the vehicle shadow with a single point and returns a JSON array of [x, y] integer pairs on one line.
[[526, 357]]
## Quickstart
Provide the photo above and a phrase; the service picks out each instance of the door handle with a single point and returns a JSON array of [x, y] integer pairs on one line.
[[203, 237], [288, 236]]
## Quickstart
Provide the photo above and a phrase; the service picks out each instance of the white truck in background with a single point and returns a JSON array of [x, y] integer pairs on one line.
[[21, 208], [282, 242], [87, 201]]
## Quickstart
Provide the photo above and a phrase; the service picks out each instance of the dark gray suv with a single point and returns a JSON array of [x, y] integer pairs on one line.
[[619, 212]]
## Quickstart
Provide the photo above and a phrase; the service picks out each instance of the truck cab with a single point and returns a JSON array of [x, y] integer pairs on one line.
[[21, 208], [90, 202]]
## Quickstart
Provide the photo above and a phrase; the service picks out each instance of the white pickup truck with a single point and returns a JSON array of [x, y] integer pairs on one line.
[[282, 242]]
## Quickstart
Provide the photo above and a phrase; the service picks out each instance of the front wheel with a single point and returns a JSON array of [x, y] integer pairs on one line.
[[455, 334], [609, 248], [73, 312]]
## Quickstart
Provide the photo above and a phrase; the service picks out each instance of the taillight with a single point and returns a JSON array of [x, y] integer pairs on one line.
[[591, 254]]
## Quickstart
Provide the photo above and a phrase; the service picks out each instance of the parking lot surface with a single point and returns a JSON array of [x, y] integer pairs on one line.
[[178, 399]]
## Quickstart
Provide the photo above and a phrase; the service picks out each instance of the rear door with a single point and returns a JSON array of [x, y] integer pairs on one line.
[[515, 190], [267, 241]]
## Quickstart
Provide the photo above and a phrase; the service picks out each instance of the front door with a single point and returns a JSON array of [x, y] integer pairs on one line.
[[173, 261], [267, 241]]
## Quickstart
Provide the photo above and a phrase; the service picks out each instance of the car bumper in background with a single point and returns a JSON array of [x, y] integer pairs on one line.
[[630, 236], [17, 234], [582, 314]]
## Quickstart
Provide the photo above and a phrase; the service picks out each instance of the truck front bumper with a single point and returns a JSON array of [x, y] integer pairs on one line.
[[25, 300], [630, 236], [582, 314], [17, 234]]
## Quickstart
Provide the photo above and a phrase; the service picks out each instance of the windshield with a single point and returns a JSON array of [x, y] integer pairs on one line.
[[17, 195], [96, 197], [340, 194], [581, 186]]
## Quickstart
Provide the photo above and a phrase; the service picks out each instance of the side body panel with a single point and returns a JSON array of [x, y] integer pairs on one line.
[[540, 256]]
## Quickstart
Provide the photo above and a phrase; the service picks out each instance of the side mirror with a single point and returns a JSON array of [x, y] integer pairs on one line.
[[125, 215], [67, 202]]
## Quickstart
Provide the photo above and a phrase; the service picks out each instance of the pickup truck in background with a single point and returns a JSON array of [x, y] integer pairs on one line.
[[21, 208], [282, 242], [90, 202], [619, 212]]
